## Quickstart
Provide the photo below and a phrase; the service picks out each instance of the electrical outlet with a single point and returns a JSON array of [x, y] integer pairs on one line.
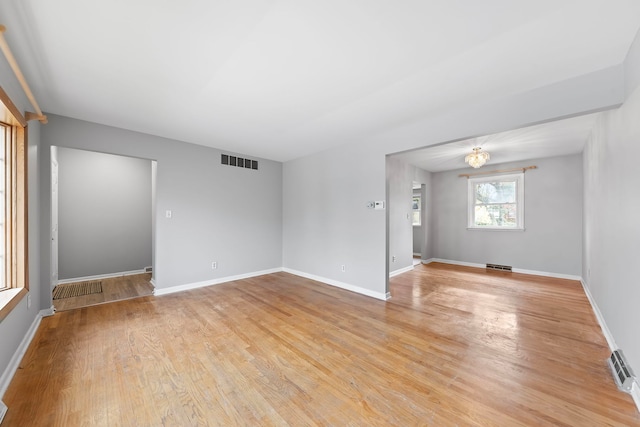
[[343, 268], [393, 258], [214, 265], [28, 301]]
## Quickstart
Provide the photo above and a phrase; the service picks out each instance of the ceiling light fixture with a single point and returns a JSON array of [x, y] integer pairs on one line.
[[477, 158]]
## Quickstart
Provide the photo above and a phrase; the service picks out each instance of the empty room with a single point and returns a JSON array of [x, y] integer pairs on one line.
[[344, 213]]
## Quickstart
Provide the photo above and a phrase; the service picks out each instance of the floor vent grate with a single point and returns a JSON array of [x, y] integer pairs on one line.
[[622, 373], [498, 267]]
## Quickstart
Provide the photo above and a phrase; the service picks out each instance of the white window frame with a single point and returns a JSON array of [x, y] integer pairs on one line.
[[518, 178], [419, 210]]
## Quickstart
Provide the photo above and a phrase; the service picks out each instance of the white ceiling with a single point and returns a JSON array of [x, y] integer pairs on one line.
[[282, 79], [559, 138]]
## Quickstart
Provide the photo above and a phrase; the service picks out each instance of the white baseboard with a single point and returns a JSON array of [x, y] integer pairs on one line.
[[100, 276], [635, 394], [417, 254], [400, 271], [449, 261], [547, 274], [515, 270], [603, 325], [341, 285], [611, 342], [196, 285], [153, 283], [47, 312], [14, 363]]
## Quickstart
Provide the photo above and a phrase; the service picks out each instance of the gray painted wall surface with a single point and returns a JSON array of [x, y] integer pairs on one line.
[[104, 213], [218, 211], [611, 228], [552, 240], [326, 221]]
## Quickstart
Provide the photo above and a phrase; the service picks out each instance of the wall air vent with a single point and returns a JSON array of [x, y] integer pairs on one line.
[[622, 373], [498, 267], [239, 162]]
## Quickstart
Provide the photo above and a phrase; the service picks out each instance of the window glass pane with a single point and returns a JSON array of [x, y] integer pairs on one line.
[[416, 218], [416, 203], [496, 192], [502, 215]]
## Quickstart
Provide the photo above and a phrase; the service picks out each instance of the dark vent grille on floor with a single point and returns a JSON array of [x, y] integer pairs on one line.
[[622, 373], [498, 267], [240, 162]]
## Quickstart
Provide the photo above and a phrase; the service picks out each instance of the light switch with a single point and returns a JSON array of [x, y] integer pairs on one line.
[[168, 214]]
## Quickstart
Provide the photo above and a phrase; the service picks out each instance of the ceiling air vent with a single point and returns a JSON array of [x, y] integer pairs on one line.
[[498, 267], [622, 373], [239, 162]]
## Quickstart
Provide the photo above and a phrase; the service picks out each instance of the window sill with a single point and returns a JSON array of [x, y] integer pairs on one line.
[[494, 229], [9, 298]]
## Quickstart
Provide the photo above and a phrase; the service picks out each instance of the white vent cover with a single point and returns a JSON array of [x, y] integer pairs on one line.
[[622, 373]]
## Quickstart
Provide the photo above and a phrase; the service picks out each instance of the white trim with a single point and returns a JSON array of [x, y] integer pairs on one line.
[[427, 261], [48, 312], [153, 283], [342, 285], [417, 254], [101, 276], [3, 411], [196, 285], [449, 261], [611, 342], [635, 394], [547, 274], [603, 325], [471, 200], [14, 363], [400, 271], [514, 270]]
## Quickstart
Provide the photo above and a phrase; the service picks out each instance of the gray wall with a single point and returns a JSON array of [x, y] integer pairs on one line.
[[218, 211], [552, 239], [104, 212], [611, 228]]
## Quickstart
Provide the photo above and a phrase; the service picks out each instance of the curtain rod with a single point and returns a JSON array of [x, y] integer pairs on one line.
[[524, 169], [25, 87]]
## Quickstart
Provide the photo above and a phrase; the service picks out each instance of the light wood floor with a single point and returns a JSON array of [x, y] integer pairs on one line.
[[113, 289], [454, 346]]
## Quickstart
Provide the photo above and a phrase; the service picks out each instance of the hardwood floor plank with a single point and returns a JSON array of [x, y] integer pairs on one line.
[[455, 346]]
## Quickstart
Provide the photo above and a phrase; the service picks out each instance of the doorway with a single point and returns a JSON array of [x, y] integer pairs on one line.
[[102, 227]]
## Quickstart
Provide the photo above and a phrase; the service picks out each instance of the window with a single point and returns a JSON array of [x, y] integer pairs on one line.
[[13, 206], [497, 202], [415, 214]]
